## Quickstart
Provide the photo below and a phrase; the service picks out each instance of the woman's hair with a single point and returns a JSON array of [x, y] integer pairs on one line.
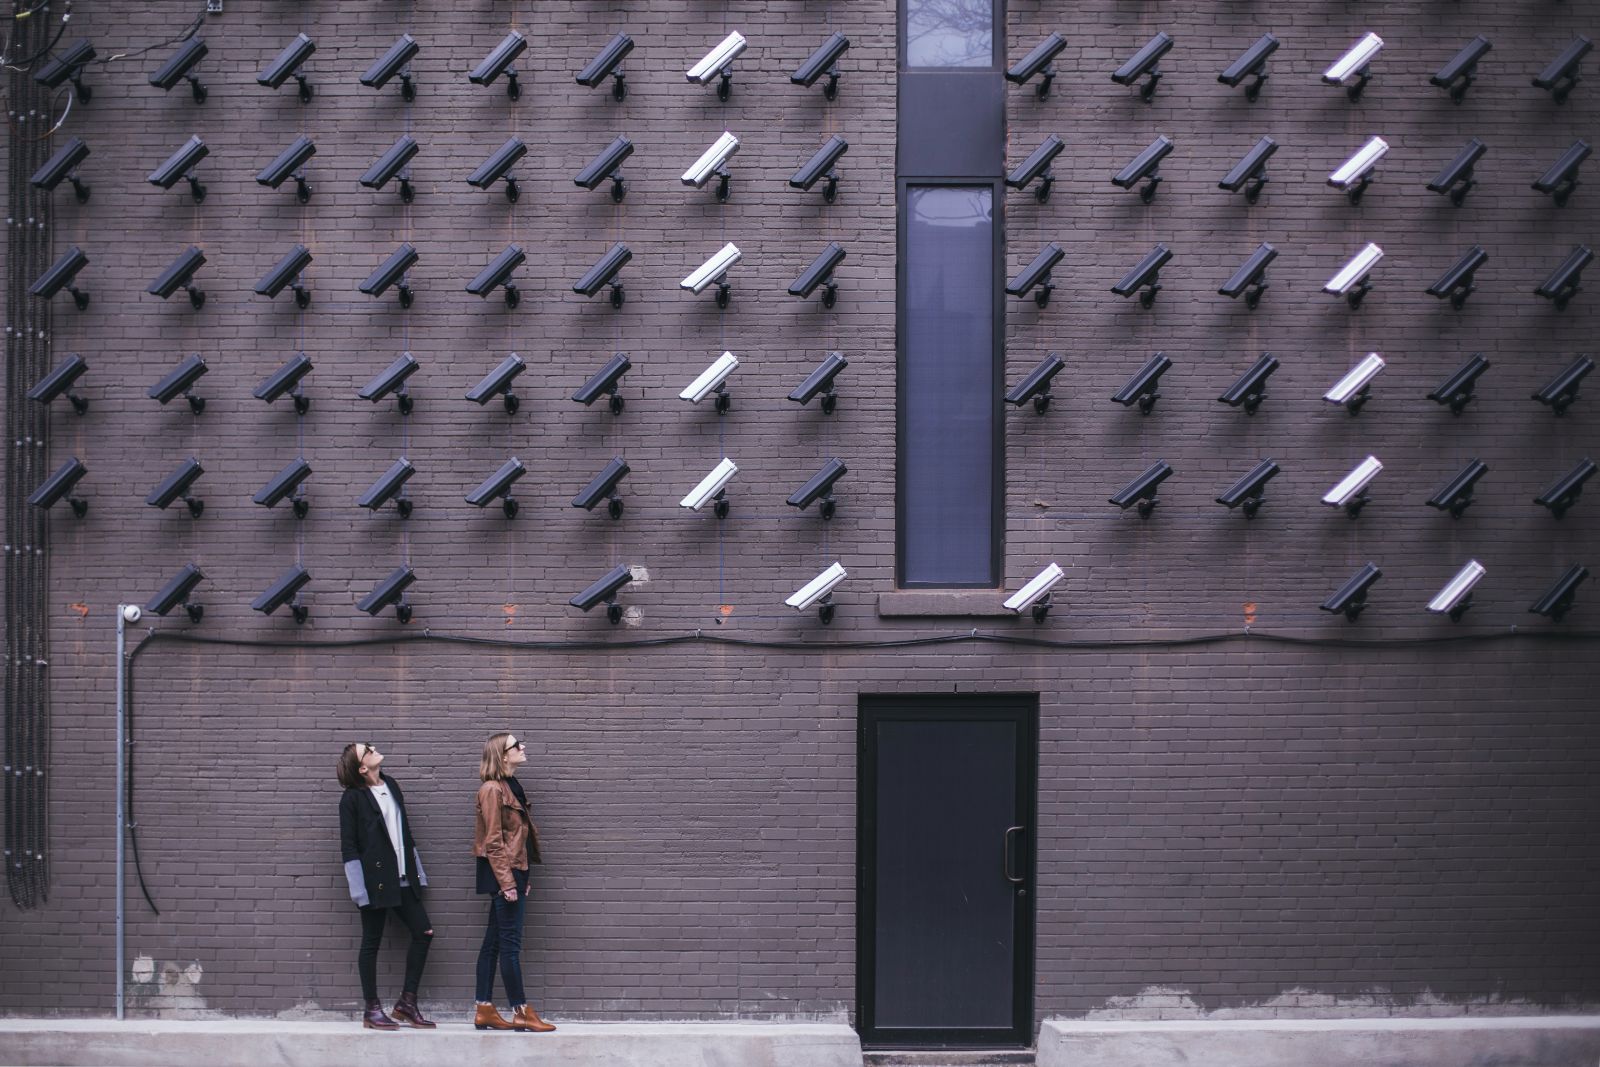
[[349, 768], [493, 766]]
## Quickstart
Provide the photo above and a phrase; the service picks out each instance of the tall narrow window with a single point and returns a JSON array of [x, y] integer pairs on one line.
[[949, 33], [948, 404]]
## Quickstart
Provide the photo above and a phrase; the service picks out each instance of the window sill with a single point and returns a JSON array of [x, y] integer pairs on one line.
[[932, 603]]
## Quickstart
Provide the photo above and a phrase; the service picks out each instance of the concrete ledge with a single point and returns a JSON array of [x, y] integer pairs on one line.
[[268, 1043], [1519, 1041]]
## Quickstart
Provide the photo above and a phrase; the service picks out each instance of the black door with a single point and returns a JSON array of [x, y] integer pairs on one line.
[[945, 870]]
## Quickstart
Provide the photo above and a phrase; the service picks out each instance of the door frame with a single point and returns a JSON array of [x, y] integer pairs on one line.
[[1023, 708]]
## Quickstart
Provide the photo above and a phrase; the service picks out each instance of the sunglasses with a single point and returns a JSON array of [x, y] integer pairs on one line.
[[364, 748], [513, 746]]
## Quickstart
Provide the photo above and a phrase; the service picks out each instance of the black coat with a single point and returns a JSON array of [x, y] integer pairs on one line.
[[370, 865]]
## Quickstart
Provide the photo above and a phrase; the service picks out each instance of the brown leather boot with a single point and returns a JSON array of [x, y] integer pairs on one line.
[[525, 1018], [489, 1018], [375, 1019], [407, 1011]]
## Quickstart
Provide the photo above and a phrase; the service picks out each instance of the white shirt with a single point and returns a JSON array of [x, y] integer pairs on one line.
[[391, 822]]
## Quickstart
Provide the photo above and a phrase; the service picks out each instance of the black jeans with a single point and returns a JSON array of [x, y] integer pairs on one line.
[[373, 920], [502, 942]]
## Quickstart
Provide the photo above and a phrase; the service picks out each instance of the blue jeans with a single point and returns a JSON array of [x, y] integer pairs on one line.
[[502, 942]]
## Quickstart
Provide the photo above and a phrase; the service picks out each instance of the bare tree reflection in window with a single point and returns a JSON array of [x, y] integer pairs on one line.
[[949, 33]]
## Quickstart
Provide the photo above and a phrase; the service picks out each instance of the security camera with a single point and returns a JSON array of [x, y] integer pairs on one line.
[[498, 166], [1250, 276], [604, 487], [63, 166], [59, 487], [1036, 385], [1350, 599], [288, 164], [180, 382], [604, 382], [498, 487], [711, 162], [1037, 166], [284, 483], [393, 380], [822, 162], [1456, 597], [180, 166], [608, 64], [1562, 73], [132, 612], [181, 66], [1355, 174], [824, 60], [1350, 492], [1557, 601], [1352, 391], [180, 275], [818, 593], [177, 485], [712, 380], [1036, 275], [819, 487], [1458, 75], [394, 62], [68, 66], [1146, 276], [60, 276], [1456, 496], [288, 65], [820, 272], [1252, 64], [499, 62], [1251, 169], [1456, 177], [1144, 63], [1562, 390], [1141, 388], [390, 164], [1351, 281], [1038, 63], [1142, 490], [607, 165], [1351, 70], [391, 590], [390, 486], [1457, 390], [716, 62], [604, 591], [1143, 169], [287, 274], [498, 273], [1562, 285], [498, 383], [1566, 490], [1034, 596], [285, 592], [390, 271], [286, 379], [604, 273], [714, 486], [1251, 387], [59, 383], [1248, 492], [177, 592], [820, 380], [1562, 177], [1456, 283], [716, 270]]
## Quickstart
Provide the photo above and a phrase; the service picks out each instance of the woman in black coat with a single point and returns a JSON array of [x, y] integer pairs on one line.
[[384, 872]]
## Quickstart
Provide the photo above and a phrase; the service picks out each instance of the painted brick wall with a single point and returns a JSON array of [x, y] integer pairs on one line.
[[1316, 817]]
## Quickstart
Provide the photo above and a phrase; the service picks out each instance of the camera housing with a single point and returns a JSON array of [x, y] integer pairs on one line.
[[1352, 280], [498, 273], [823, 60], [1037, 275], [180, 382], [1034, 596], [1250, 279], [1350, 492], [180, 275], [1456, 596], [607, 165], [393, 380], [1141, 388], [59, 383], [1457, 76], [1566, 490], [712, 163], [289, 163], [604, 273], [1562, 177], [1456, 283], [818, 593], [1557, 601], [498, 487], [180, 167], [1354, 389], [181, 66], [59, 487], [287, 274], [63, 166], [288, 65], [1249, 492], [61, 275], [604, 487], [1353, 69], [177, 592], [1142, 490], [1143, 64], [820, 272], [390, 486], [1143, 168], [284, 483], [1456, 495], [823, 162], [1036, 385], [1252, 64], [713, 487], [604, 591], [285, 379], [1562, 285], [819, 487], [68, 67], [713, 380], [716, 270], [390, 164], [605, 382], [1146, 276], [820, 380], [498, 383], [1037, 166], [1355, 174], [394, 62], [499, 61], [1350, 599], [1250, 173], [177, 485], [284, 591], [1559, 393], [1561, 75], [608, 64], [1456, 177], [392, 590], [1039, 62], [1251, 387], [1458, 390], [498, 166], [716, 64], [391, 271]]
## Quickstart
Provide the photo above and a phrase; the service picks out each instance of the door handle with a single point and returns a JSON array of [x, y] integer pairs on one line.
[[1005, 863]]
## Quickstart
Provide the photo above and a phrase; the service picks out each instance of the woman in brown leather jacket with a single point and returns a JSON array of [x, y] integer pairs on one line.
[[506, 843]]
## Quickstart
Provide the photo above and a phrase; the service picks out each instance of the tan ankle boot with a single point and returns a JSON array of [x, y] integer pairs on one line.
[[525, 1018], [488, 1017]]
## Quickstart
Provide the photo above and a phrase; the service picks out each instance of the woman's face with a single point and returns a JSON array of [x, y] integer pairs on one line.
[[516, 753], [371, 759]]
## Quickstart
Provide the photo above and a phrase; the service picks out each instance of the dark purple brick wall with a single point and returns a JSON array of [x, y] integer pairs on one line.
[[1250, 822]]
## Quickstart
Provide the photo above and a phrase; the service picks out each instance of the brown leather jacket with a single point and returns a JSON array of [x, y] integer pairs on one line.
[[503, 833]]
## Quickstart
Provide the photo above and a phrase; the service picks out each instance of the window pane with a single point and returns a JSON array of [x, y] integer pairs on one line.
[[949, 33], [949, 407]]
